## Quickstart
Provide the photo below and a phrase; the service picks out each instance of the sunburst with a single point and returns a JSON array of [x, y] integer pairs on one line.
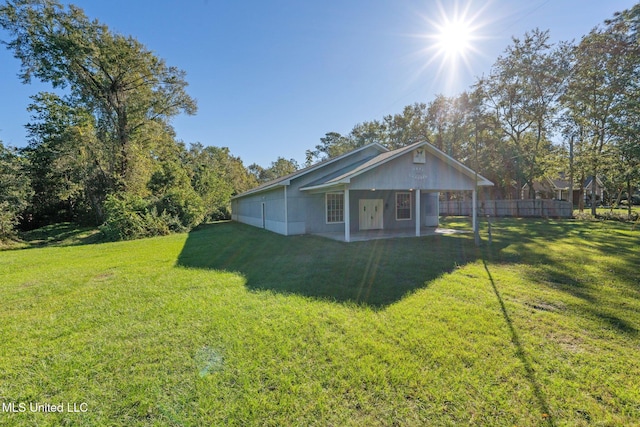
[[452, 41]]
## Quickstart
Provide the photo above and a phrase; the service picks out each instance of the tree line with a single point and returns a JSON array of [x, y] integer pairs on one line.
[[543, 110], [105, 153]]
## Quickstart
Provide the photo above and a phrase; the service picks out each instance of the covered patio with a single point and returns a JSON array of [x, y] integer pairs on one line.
[[368, 193]]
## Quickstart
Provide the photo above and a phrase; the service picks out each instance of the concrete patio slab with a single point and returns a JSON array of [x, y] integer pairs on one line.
[[362, 236]]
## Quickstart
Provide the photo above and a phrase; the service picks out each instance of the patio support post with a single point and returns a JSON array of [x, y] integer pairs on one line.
[[347, 217], [474, 211], [418, 212]]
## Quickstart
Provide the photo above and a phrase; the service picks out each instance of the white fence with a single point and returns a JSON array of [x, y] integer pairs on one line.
[[541, 208]]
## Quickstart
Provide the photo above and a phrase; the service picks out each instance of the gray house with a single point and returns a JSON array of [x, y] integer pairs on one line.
[[370, 188]]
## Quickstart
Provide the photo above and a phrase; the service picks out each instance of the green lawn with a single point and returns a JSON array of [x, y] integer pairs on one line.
[[231, 325]]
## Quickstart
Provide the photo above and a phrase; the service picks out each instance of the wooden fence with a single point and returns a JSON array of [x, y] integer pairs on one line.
[[541, 208]]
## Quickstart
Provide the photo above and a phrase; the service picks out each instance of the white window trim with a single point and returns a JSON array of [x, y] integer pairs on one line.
[[326, 207], [410, 204]]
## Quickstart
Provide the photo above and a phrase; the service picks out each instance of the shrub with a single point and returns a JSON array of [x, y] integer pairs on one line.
[[617, 216], [607, 216], [8, 221], [125, 217], [183, 204], [132, 217]]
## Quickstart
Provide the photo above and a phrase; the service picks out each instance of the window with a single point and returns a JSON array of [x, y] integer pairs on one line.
[[335, 207], [403, 206]]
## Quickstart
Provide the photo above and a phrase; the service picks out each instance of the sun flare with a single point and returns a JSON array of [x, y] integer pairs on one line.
[[454, 38]]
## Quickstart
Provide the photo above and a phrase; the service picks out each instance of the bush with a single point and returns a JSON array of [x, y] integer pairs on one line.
[[125, 217], [607, 216], [617, 216], [132, 217], [183, 204], [8, 221]]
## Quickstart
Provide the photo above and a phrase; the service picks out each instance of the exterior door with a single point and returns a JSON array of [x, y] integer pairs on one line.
[[370, 216]]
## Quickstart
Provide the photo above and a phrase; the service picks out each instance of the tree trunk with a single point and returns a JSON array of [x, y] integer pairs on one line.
[[581, 193], [570, 197], [629, 198], [593, 196], [123, 142]]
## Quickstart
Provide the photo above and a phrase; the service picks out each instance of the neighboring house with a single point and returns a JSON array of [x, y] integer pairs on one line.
[[370, 188], [548, 188], [587, 191], [558, 189]]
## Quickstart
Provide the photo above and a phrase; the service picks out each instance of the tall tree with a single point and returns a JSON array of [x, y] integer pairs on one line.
[[331, 145], [65, 169], [123, 84], [279, 168], [14, 190], [592, 96], [626, 118], [216, 176], [522, 91], [408, 127]]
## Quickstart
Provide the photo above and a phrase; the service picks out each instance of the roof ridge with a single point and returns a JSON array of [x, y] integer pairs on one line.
[[303, 171]]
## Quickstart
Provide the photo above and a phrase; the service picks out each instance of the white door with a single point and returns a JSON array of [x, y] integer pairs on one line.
[[371, 214]]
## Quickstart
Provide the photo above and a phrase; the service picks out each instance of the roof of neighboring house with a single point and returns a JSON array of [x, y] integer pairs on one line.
[[589, 180], [560, 184]]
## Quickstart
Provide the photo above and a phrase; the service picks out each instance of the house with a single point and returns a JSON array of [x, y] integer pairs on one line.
[[558, 189], [370, 188], [548, 188]]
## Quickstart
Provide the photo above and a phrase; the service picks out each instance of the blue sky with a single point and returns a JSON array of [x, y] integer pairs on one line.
[[271, 77]]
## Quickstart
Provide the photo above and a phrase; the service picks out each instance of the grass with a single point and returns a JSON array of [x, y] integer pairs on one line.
[[231, 325], [62, 234]]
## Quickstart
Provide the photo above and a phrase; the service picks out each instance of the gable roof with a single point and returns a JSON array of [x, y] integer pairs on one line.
[[362, 167], [286, 180], [358, 167]]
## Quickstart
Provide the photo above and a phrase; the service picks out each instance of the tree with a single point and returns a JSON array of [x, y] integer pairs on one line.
[[14, 190], [626, 118], [591, 99], [217, 176], [522, 92], [65, 171], [281, 167], [407, 128], [122, 84], [373, 132], [331, 145]]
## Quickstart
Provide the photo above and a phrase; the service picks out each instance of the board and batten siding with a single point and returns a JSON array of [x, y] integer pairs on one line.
[[249, 210], [306, 212], [429, 210], [401, 172]]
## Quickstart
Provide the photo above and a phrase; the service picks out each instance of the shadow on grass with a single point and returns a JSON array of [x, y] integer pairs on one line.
[[374, 273], [530, 242], [520, 352], [380, 272], [61, 234]]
